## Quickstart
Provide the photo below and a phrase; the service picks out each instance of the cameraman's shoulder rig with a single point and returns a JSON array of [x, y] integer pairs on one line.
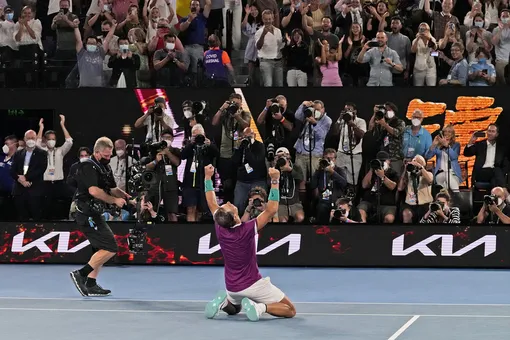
[[93, 205]]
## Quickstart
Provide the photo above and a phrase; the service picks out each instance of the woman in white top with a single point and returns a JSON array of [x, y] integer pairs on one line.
[[470, 16], [7, 43], [152, 11], [492, 10], [27, 34], [425, 46]]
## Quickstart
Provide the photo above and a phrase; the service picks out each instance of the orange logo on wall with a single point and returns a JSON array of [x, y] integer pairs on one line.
[[472, 114]]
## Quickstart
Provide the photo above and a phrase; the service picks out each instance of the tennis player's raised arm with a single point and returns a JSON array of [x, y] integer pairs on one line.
[[210, 195], [273, 201]]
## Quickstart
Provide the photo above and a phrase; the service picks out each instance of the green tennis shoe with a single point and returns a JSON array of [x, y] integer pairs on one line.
[[250, 309], [213, 307]]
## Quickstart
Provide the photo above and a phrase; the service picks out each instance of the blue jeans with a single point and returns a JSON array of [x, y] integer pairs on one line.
[[241, 193]]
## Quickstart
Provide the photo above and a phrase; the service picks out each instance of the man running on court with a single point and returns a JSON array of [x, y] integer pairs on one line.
[[245, 286]]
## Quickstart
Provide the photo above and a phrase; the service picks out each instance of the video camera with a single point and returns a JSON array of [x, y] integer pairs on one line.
[[490, 199], [381, 112], [436, 206], [413, 169], [141, 179], [99, 207]]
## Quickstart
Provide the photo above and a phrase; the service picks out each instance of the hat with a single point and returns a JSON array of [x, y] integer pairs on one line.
[[382, 156], [8, 8], [282, 150], [160, 100]]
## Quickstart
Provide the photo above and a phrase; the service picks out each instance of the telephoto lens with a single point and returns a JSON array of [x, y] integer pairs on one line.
[[257, 202], [280, 162]]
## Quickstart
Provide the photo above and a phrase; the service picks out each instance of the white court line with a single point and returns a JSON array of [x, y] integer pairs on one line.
[[112, 299], [201, 312], [404, 327]]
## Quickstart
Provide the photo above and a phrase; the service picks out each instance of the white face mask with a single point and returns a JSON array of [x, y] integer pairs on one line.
[[170, 46], [30, 143], [51, 143], [5, 149], [415, 122], [119, 153], [390, 114], [20, 148], [500, 201], [386, 166], [317, 114], [84, 159], [188, 114]]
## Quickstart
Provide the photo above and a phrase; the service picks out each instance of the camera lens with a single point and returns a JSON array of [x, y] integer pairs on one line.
[[410, 168], [435, 206], [257, 202], [376, 164], [323, 164], [200, 140], [281, 162], [274, 108]]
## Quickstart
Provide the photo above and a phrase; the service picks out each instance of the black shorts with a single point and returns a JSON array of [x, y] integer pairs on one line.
[[194, 197], [171, 201], [97, 232]]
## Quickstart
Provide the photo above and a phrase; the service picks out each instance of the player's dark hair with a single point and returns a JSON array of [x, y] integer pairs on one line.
[[224, 218]]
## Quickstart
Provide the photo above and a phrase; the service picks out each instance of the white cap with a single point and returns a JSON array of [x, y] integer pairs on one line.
[[283, 149]]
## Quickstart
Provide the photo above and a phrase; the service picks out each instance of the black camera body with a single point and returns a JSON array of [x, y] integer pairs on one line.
[[280, 162], [413, 169], [157, 147], [309, 112], [257, 202], [376, 164], [200, 140], [158, 111], [338, 213], [347, 116], [323, 164], [274, 107], [436, 206], [381, 112], [232, 108], [270, 152], [490, 199]]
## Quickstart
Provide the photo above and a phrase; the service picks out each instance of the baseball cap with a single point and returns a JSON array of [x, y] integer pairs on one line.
[[382, 156], [160, 100], [283, 150]]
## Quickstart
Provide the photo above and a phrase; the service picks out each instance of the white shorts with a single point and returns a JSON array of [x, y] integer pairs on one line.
[[262, 291]]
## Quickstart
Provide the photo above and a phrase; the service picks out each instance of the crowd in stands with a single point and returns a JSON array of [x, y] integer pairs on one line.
[[145, 43], [385, 170]]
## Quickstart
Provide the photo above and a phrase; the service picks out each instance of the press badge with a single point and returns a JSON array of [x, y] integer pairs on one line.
[[236, 135], [51, 172], [169, 171], [248, 168], [326, 194], [386, 141], [193, 168], [412, 198], [346, 147], [449, 77], [410, 152], [92, 224]]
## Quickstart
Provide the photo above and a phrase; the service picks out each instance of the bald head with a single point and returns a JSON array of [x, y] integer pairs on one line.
[[30, 134], [248, 132], [420, 160], [498, 191]]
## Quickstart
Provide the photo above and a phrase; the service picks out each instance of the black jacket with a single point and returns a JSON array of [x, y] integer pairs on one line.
[[35, 172], [255, 156], [479, 150]]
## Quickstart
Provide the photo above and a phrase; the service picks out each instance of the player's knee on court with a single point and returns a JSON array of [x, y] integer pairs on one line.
[[231, 309]]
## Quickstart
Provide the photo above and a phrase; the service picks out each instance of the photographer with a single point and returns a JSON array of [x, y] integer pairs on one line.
[[416, 182], [234, 120], [328, 183], [387, 130], [291, 176], [198, 153], [195, 113], [257, 202], [380, 184], [344, 212], [249, 160], [494, 209], [350, 129], [165, 166], [146, 214], [277, 122], [156, 119], [440, 210]]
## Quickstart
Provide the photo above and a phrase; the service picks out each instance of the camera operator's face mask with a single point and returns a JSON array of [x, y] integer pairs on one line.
[[390, 114], [188, 114], [386, 166]]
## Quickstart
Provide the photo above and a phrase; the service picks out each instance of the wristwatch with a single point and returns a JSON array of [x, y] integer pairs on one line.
[[275, 181]]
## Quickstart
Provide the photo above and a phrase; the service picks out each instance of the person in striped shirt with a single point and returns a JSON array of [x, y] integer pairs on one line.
[[440, 211]]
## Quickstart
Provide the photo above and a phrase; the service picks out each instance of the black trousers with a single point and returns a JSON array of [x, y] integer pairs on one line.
[[57, 199], [494, 176], [7, 207], [28, 205], [228, 172]]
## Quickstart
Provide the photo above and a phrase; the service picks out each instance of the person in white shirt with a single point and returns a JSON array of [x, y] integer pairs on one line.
[[501, 42], [160, 114], [7, 43], [55, 187], [27, 34], [118, 163], [269, 42]]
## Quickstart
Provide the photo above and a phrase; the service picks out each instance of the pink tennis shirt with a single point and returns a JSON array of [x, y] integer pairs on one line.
[[239, 255]]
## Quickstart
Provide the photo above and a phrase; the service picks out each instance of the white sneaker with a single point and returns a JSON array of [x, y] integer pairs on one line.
[[218, 303]]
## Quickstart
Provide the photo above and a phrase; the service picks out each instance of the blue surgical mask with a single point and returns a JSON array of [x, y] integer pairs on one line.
[[91, 48], [482, 60], [479, 24], [9, 16]]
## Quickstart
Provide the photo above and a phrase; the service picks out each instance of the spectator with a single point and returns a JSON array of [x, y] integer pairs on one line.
[[236, 8], [425, 46], [349, 13], [482, 72], [498, 212], [170, 65], [491, 10], [124, 66], [217, 65], [440, 19], [96, 15], [83, 154], [118, 163], [459, 71], [477, 37], [132, 21], [251, 23], [328, 184], [138, 47], [27, 169], [291, 16], [194, 26], [416, 183], [446, 60], [378, 20], [120, 8], [257, 201], [291, 177], [417, 140], [272, 6], [344, 212], [269, 45], [380, 185], [158, 41], [402, 45], [501, 41], [383, 60], [8, 46], [6, 181], [27, 34], [64, 24], [317, 11], [447, 151], [165, 165], [441, 212], [476, 10], [250, 163], [355, 41], [491, 163], [198, 153], [298, 59], [152, 14], [91, 57], [328, 61]]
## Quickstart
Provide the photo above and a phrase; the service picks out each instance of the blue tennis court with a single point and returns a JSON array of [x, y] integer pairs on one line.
[[39, 302]]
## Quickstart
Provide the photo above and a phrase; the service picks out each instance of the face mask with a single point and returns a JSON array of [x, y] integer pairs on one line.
[[188, 114], [51, 143], [106, 8], [20, 148], [64, 10], [119, 153], [482, 60], [91, 48], [5, 149], [84, 159], [317, 114], [500, 201], [479, 24], [9, 16], [390, 114], [415, 122], [170, 46], [505, 20], [124, 48], [30, 143], [104, 161], [386, 166]]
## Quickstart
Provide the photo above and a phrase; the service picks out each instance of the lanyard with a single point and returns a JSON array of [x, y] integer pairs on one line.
[[54, 158]]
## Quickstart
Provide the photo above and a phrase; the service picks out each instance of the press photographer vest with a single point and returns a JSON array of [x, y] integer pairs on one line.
[[213, 65], [106, 181]]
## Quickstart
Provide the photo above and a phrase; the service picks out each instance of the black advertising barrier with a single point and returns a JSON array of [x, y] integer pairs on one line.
[[278, 245]]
